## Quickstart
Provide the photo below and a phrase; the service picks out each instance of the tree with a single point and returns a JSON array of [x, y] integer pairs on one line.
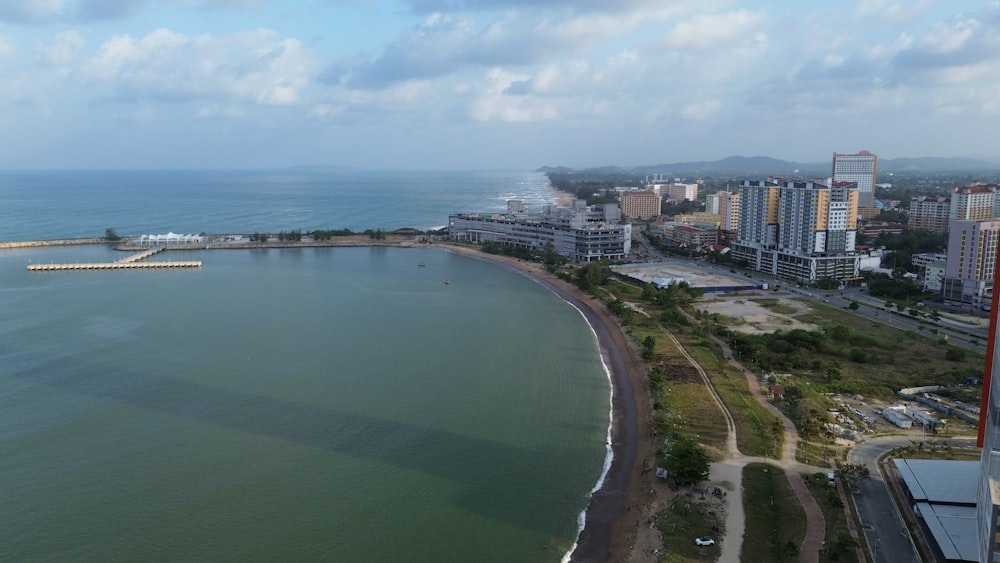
[[592, 274], [851, 473], [648, 348], [854, 306], [687, 461], [111, 235]]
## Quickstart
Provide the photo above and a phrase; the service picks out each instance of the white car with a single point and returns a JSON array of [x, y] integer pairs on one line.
[[704, 541]]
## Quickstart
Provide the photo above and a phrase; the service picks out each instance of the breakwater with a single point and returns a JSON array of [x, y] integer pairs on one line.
[[54, 242]]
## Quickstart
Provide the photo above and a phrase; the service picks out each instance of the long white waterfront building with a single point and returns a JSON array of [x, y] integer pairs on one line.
[[581, 233]]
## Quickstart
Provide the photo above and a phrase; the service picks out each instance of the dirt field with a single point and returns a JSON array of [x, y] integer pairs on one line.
[[757, 313]]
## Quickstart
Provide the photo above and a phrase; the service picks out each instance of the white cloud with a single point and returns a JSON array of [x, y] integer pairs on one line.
[[61, 50], [259, 66], [892, 11], [5, 47], [701, 110], [217, 112], [944, 39], [714, 31], [495, 105]]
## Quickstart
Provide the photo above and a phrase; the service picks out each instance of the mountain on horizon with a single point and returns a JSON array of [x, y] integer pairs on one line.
[[765, 165]]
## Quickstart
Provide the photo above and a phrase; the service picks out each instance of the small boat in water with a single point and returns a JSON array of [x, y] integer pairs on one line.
[[447, 282], [422, 265]]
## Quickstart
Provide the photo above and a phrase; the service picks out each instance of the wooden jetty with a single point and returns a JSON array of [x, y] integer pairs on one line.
[[133, 262]]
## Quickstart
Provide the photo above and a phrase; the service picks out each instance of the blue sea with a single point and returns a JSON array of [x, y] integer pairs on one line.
[[51, 205], [317, 404]]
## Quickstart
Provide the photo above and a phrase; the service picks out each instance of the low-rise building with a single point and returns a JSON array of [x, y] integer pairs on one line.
[[692, 236], [581, 233]]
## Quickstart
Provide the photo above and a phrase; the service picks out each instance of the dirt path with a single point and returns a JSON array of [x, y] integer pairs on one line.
[[728, 473], [815, 521]]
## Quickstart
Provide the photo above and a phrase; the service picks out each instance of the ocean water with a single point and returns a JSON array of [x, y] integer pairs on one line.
[[62, 204], [336, 404]]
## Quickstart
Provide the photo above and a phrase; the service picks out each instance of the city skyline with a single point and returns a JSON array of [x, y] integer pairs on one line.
[[491, 84]]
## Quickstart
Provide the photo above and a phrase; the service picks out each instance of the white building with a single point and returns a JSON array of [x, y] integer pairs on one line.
[[581, 233]]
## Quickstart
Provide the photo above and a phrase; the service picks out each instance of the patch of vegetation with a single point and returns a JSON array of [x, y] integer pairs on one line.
[[777, 306], [758, 432], [778, 525], [684, 519], [840, 542]]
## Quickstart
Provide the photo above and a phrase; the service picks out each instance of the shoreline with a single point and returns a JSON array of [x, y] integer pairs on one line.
[[614, 515]]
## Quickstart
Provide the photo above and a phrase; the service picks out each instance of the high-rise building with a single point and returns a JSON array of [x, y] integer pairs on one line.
[[678, 191], [988, 438], [972, 261], [713, 203], [640, 205], [805, 230], [727, 206], [729, 209], [929, 213], [860, 168], [975, 202]]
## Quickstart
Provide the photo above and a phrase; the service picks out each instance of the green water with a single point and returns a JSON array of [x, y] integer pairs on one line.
[[312, 404]]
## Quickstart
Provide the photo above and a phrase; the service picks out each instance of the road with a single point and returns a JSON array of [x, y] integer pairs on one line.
[[967, 336], [881, 521]]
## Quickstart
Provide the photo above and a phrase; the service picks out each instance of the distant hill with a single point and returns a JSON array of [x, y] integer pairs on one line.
[[322, 168], [935, 163], [732, 164], [766, 166]]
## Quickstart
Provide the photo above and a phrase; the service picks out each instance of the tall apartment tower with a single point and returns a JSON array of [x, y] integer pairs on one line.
[[929, 213], [972, 262], [729, 209], [988, 438], [727, 206], [713, 203], [759, 213], [975, 202], [861, 169], [804, 230]]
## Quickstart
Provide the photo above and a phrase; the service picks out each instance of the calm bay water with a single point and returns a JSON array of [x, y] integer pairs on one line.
[[309, 404]]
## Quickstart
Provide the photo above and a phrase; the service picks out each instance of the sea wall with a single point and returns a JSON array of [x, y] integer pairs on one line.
[[55, 242]]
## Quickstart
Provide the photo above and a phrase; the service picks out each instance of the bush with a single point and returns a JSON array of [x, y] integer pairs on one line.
[[954, 354]]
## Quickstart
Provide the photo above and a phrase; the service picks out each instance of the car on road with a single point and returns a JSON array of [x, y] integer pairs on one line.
[[704, 540]]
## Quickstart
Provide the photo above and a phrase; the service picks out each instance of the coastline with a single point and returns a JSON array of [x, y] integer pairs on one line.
[[614, 516]]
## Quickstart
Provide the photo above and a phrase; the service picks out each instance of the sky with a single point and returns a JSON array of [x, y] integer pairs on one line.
[[492, 84]]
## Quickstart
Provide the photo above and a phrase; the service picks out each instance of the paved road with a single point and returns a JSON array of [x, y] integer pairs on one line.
[[882, 524]]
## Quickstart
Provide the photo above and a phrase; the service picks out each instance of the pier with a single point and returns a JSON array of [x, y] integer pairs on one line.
[[133, 262]]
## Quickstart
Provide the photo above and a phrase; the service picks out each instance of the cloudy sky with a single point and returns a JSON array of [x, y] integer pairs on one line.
[[491, 84]]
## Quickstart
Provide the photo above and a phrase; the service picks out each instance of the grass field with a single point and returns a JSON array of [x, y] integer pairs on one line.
[[778, 524]]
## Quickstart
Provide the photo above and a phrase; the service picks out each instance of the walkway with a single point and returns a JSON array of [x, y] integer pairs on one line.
[[815, 521], [132, 262]]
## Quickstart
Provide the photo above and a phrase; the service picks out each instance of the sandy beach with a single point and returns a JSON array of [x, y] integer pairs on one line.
[[616, 518]]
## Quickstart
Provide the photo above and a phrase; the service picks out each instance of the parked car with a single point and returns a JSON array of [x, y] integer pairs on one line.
[[704, 540]]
